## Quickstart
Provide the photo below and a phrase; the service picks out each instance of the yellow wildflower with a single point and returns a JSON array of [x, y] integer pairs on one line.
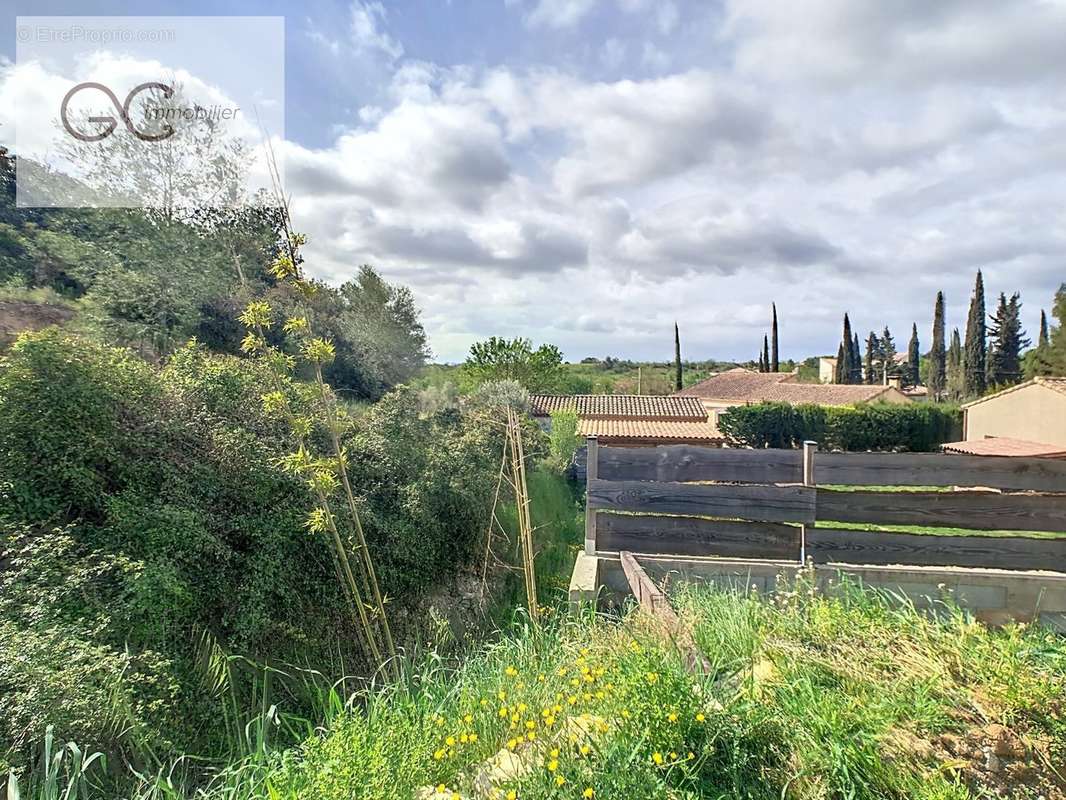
[[559, 780], [588, 794], [657, 758], [553, 765]]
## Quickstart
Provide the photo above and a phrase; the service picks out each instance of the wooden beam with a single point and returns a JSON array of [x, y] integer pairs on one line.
[[656, 603], [763, 503], [679, 463], [942, 469], [826, 545], [965, 509], [692, 536]]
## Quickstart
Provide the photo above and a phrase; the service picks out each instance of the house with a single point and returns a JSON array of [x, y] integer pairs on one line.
[[827, 369], [626, 419], [1025, 420], [740, 386]]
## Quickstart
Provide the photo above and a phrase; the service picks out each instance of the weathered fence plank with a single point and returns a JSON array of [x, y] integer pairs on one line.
[[764, 503], [696, 537], [941, 469], [929, 550], [976, 510], [673, 463], [652, 600]]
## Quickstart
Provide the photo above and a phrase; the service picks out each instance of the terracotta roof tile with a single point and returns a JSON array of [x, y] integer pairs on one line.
[[621, 406], [744, 386], [1005, 446], [651, 430]]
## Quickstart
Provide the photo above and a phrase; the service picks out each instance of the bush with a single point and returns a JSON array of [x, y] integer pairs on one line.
[[914, 427], [155, 514], [563, 439]]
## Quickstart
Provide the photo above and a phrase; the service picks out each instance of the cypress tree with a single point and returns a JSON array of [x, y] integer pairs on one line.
[[1042, 340], [774, 363], [955, 380], [938, 353], [913, 377], [1006, 340], [766, 353], [840, 369], [677, 359], [846, 363], [888, 356], [856, 360], [872, 353], [975, 351], [761, 367]]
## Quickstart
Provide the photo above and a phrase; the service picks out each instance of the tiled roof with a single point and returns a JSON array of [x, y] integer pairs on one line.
[[1005, 446], [1055, 384], [744, 386], [664, 431], [737, 382], [620, 406]]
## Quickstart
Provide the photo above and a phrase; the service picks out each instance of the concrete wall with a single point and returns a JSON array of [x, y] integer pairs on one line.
[[994, 596], [1035, 413]]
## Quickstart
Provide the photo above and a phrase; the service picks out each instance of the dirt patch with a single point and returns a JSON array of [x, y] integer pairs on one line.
[[988, 757], [17, 316]]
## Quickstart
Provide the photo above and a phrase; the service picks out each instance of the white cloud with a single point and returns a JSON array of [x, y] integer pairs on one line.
[[367, 19], [559, 14]]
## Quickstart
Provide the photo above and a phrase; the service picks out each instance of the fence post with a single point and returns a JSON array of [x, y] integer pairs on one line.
[[591, 472], [809, 449]]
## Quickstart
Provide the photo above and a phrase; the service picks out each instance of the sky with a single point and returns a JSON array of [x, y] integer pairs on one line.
[[586, 172]]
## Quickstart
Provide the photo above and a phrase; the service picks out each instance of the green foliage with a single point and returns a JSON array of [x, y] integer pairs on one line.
[[794, 703], [916, 427], [564, 439], [975, 346], [497, 359], [175, 520], [1006, 342], [936, 378], [1049, 356]]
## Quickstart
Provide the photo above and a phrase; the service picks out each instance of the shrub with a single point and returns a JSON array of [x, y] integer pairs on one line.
[[563, 439], [157, 514], [915, 427]]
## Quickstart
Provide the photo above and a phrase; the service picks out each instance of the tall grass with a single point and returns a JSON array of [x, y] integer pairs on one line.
[[808, 696]]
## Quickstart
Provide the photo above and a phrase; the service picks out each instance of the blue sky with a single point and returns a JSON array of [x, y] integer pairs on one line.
[[585, 172]]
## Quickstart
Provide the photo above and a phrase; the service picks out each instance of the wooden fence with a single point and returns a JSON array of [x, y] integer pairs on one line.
[[732, 503]]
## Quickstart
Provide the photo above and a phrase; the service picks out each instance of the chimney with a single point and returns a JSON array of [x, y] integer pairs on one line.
[[895, 381]]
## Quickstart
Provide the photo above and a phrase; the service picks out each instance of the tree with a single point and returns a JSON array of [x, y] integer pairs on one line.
[[974, 353], [677, 360], [938, 352], [888, 355], [496, 359], [838, 368], [913, 378], [774, 363], [1006, 341], [1050, 358], [849, 365], [1042, 340], [873, 355], [765, 354], [856, 360], [955, 372]]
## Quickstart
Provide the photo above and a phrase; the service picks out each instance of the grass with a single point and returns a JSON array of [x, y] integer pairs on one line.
[[811, 697], [852, 695]]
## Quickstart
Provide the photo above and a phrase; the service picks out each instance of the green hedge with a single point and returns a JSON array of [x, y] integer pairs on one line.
[[914, 427]]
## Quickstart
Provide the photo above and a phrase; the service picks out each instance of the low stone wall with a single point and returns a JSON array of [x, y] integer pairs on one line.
[[994, 596]]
